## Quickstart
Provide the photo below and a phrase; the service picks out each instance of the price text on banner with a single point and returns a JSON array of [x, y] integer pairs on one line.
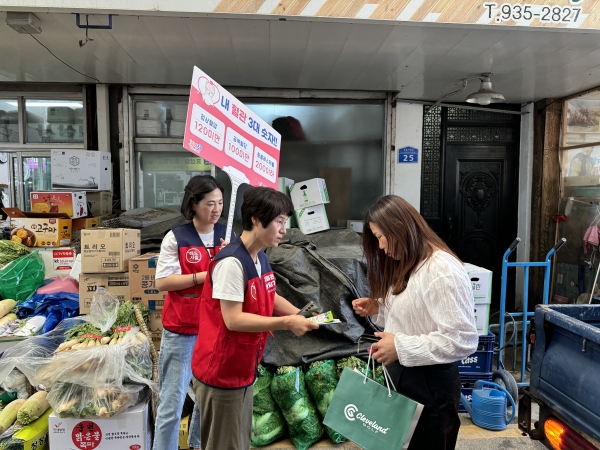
[[222, 130]]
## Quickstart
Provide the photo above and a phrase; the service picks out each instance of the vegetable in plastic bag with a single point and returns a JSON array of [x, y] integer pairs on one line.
[[267, 421], [73, 400], [321, 381], [16, 381], [289, 392], [20, 278], [10, 250], [351, 363], [104, 309]]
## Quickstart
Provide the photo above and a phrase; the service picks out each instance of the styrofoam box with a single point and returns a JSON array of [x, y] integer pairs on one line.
[[176, 129], [481, 280], [127, 430], [58, 261], [179, 112], [151, 111], [151, 128], [60, 132], [59, 114], [283, 185], [482, 318], [81, 170]]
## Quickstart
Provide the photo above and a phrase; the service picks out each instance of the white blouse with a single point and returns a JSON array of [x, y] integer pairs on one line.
[[433, 319]]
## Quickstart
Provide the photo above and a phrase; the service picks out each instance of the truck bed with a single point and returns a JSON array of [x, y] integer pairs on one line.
[[565, 369]]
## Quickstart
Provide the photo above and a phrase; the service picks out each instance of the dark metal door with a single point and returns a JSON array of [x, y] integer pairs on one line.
[[480, 211]]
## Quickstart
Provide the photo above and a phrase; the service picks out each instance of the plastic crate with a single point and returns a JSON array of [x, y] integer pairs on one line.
[[467, 381], [481, 360]]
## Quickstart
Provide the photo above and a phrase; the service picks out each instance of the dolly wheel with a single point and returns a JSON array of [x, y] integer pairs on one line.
[[505, 379]]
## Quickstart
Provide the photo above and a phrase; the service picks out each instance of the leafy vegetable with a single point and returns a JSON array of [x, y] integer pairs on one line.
[[351, 363], [289, 392], [267, 421], [321, 381], [80, 330], [126, 315], [10, 250]]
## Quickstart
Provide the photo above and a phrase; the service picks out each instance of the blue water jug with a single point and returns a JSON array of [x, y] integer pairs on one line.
[[488, 406]]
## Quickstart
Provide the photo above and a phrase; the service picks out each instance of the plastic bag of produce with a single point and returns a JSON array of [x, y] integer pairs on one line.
[[74, 400], [267, 421], [289, 392], [20, 278], [351, 363], [104, 309], [321, 381], [16, 382]]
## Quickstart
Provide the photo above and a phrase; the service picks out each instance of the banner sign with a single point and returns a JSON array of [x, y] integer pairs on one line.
[[222, 130]]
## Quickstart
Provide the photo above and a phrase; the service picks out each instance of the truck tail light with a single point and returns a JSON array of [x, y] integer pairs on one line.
[[561, 437]]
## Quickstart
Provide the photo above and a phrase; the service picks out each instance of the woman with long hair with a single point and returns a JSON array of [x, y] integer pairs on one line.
[[422, 296], [185, 255]]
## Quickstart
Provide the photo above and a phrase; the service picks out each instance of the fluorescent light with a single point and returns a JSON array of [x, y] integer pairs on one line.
[[35, 103]]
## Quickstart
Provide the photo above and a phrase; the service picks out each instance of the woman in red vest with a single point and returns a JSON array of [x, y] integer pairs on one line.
[[185, 254], [236, 315]]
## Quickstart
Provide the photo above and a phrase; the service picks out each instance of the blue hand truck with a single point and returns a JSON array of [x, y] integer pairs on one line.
[[503, 376]]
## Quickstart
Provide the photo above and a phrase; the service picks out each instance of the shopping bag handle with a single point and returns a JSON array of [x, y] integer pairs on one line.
[[386, 375]]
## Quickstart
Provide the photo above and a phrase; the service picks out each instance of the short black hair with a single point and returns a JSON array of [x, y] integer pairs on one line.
[[196, 189], [264, 204]]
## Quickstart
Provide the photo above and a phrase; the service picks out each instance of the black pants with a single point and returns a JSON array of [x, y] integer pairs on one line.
[[437, 388]]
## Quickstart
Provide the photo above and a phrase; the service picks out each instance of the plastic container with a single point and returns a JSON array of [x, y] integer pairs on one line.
[[151, 111], [176, 129], [151, 128], [467, 382], [179, 112], [481, 361]]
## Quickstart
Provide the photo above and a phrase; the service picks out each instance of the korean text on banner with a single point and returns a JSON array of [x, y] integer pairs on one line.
[[222, 130]]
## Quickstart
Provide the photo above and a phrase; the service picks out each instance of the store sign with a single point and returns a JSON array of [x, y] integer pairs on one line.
[[176, 163], [222, 130]]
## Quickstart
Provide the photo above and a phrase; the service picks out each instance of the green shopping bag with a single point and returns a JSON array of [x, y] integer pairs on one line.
[[371, 415]]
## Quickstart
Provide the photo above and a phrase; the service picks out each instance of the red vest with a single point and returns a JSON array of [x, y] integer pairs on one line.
[[229, 359], [181, 311]]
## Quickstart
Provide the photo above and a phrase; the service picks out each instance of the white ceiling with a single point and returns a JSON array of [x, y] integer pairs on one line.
[[422, 61]]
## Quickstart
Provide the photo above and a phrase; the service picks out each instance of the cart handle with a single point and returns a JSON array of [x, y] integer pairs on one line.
[[559, 244], [514, 244]]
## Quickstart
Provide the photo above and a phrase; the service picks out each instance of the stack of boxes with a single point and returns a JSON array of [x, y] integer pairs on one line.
[[478, 366], [151, 119], [105, 261], [309, 198]]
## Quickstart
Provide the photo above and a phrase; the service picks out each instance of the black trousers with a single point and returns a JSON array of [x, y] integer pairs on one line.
[[437, 388]]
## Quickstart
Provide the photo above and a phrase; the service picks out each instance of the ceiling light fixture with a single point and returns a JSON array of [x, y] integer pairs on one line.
[[485, 95]]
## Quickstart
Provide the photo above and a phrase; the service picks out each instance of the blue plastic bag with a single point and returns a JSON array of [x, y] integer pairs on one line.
[[55, 307]]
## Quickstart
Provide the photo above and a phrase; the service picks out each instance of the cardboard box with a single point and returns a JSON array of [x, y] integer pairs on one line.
[[142, 272], [115, 283], [100, 203], [283, 185], [108, 250], [85, 223], [81, 169], [58, 261], [39, 229], [155, 327], [128, 430], [313, 219], [482, 318], [35, 435], [184, 427], [74, 204], [309, 193], [481, 280]]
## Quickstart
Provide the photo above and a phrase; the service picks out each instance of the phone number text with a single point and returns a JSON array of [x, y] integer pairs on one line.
[[544, 13]]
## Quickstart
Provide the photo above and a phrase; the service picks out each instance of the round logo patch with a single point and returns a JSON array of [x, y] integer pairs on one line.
[[86, 435], [193, 256]]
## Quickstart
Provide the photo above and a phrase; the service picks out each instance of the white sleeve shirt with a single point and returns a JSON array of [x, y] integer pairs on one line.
[[433, 320], [229, 282], [168, 261]]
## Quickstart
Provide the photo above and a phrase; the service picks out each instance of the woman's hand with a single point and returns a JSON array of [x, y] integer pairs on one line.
[[384, 351], [224, 243], [365, 307]]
